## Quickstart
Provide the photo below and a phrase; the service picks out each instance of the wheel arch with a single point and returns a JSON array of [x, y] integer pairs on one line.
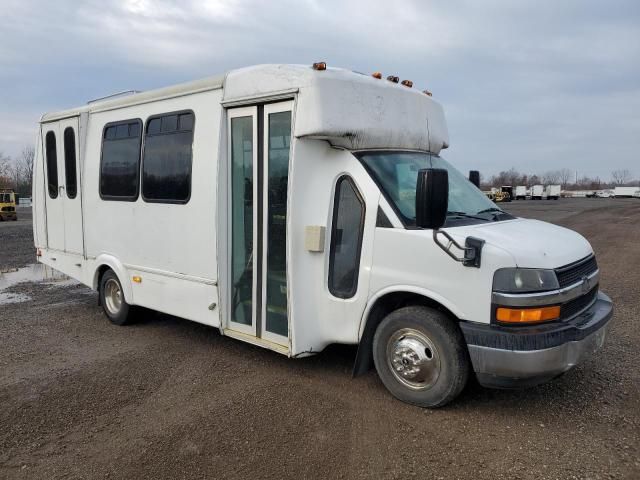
[[108, 262], [383, 303]]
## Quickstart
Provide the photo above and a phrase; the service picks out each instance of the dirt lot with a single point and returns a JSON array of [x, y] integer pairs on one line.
[[165, 398]]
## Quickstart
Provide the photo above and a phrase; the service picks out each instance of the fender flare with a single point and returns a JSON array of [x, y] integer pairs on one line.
[[368, 326], [119, 269]]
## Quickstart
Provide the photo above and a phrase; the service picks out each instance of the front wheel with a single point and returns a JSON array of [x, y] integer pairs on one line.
[[420, 356]]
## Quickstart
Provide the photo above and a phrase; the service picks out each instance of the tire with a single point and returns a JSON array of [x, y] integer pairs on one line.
[[117, 310], [400, 339]]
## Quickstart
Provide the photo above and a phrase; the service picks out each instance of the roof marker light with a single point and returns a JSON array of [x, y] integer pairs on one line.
[[377, 75], [320, 66], [407, 83], [393, 79], [427, 92]]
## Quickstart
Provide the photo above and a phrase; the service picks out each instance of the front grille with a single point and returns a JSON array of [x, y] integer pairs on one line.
[[576, 305], [573, 273], [8, 209]]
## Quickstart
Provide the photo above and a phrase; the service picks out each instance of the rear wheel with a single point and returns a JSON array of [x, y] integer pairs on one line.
[[420, 356], [116, 308]]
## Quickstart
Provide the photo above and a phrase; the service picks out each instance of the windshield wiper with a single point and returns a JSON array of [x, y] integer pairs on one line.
[[492, 209], [465, 215]]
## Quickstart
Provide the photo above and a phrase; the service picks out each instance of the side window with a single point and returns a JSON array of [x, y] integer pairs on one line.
[[70, 162], [52, 164], [120, 163], [346, 239], [166, 166]]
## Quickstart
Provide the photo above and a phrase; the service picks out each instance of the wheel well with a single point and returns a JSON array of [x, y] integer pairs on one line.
[[384, 306], [98, 278]]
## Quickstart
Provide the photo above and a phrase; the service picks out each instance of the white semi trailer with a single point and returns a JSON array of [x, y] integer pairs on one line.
[[293, 207], [620, 192], [521, 192], [552, 192], [537, 192]]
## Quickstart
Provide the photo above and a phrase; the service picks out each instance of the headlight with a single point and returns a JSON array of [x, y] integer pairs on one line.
[[524, 280]]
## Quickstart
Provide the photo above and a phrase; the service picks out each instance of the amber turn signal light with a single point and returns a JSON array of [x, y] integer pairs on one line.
[[527, 315], [407, 83], [377, 75], [320, 66]]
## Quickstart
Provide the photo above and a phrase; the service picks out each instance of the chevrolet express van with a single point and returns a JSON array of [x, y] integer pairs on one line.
[[295, 206]]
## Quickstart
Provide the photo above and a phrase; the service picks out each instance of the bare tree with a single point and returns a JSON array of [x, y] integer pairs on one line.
[[565, 175], [26, 160], [25, 164], [5, 171], [620, 177], [16, 174], [551, 177]]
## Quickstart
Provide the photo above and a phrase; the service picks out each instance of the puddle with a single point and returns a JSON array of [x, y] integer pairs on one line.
[[6, 298], [36, 272]]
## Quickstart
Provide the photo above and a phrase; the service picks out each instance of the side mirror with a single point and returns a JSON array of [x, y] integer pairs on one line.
[[474, 177], [432, 198]]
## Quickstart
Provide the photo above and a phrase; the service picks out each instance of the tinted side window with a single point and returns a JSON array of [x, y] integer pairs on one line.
[[166, 167], [52, 164], [346, 239], [120, 164], [70, 162]]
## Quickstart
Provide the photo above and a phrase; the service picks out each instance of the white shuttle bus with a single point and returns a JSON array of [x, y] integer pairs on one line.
[[294, 207]]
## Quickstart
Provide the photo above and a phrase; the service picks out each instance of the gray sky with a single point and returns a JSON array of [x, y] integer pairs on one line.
[[535, 85]]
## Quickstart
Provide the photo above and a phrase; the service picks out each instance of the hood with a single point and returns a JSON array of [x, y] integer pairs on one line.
[[531, 243]]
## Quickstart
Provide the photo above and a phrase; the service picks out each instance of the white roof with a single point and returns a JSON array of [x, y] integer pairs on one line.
[[346, 108]]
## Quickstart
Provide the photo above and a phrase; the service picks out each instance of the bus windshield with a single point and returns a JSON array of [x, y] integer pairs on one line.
[[397, 173]]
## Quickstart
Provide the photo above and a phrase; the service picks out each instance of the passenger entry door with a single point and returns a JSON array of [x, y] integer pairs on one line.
[[53, 185], [70, 174], [259, 146], [62, 191]]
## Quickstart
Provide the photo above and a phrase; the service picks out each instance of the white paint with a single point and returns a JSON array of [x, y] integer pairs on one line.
[[182, 252]]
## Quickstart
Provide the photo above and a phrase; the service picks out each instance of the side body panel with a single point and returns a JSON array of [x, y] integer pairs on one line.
[[172, 247], [318, 317]]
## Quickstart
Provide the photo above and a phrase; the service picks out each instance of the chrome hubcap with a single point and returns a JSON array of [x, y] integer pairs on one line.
[[413, 359], [112, 296]]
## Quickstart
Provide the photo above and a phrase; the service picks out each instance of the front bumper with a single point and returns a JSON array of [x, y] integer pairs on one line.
[[520, 356]]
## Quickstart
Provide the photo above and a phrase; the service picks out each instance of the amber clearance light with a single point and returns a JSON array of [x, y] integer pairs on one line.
[[527, 315]]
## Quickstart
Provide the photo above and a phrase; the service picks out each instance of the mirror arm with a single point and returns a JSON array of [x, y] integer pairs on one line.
[[472, 251]]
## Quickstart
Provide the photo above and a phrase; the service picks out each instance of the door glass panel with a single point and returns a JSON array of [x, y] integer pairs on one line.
[[279, 128], [70, 162], [52, 164], [346, 239], [242, 219]]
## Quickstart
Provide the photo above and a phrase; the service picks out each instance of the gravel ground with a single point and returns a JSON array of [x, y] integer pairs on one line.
[[166, 398], [16, 241]]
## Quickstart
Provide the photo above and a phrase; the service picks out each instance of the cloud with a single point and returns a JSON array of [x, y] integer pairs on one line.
[[531, 84]]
